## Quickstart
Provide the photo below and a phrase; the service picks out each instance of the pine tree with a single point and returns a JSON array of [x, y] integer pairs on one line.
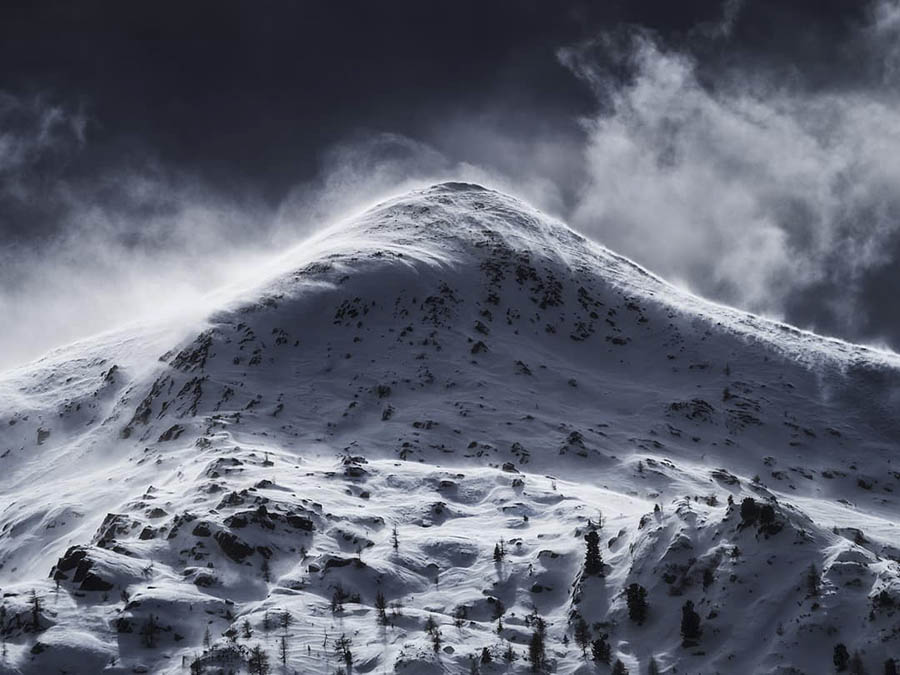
[[460, 614], [582, 634], [395, 539], [856, 664], [499, 552], [890, 667], [509, 655], [149, 631], [812, 582], [536, 652], [283, 650], [600, 649], [247, 632], [342, 646], [286, 620], [690, 623], [258, 662], [593, 562], [652, 667], [36, 607], [207, 639], [381, 608], [749, 510], [841, 657], [266, 571], [619, 668], [486, 655], [436, 636], [337, 599], [636, 598]]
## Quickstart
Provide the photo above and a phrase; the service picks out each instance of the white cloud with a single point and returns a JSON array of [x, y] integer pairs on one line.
[[744, 191]]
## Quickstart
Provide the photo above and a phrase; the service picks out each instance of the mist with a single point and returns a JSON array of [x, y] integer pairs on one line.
[[762, 194]]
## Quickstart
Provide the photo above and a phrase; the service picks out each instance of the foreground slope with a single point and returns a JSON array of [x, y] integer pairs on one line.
[[455, 367]]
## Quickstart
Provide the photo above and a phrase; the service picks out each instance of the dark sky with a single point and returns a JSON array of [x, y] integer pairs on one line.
[[240, 91], [250, 100]]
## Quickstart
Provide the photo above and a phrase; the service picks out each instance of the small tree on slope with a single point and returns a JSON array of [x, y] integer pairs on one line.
[[582, 634], [690, 623], [600, 650], [593, 562], [258, 663], [536, 653], [636, 598], [841, 657]]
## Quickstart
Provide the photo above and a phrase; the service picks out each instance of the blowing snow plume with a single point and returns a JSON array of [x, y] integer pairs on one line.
[[746, 183]]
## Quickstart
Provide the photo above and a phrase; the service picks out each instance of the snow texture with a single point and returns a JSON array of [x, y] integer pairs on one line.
[[456, 368]]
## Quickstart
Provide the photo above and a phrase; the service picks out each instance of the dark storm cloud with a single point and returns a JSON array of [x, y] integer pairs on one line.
[[169, 148]]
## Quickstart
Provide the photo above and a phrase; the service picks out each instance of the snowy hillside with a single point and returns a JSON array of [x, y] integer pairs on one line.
[[394, 452]]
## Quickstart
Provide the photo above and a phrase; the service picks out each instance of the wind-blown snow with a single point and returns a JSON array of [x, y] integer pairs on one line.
[[454, 364]]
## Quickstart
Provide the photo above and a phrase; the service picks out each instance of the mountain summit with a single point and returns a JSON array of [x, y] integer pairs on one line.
[[439, 436]]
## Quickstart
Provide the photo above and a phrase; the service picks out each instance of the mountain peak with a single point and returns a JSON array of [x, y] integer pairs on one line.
[[448, 374]]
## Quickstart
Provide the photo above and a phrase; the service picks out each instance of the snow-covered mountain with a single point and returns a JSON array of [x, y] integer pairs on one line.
[[399, 445]]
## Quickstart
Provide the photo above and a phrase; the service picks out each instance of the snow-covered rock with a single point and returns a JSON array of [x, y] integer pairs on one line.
[[433, 404]]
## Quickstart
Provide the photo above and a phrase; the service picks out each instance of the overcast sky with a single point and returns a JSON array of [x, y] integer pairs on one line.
[[749, 151]]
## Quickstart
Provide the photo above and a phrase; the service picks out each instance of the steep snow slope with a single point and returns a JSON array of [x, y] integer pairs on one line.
[[457, 366]]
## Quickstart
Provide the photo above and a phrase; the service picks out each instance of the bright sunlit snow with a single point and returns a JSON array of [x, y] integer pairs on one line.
[[435, 402]]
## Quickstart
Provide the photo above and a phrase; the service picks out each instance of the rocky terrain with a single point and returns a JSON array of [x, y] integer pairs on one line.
[[452, 435]]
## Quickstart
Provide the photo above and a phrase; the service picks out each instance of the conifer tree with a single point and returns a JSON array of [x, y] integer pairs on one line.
[[841, 657], [149, 631], [582, 634], [510, 654], [436, 636], [890, 667], [460, 614], [286, 620], [812, 582], [600, 649], [619, 668], [258, 662], [536, 651], [499, 552], [690, 623], [636, 598], [381, 608], [36, 607], [342, 646], [593, 562]]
